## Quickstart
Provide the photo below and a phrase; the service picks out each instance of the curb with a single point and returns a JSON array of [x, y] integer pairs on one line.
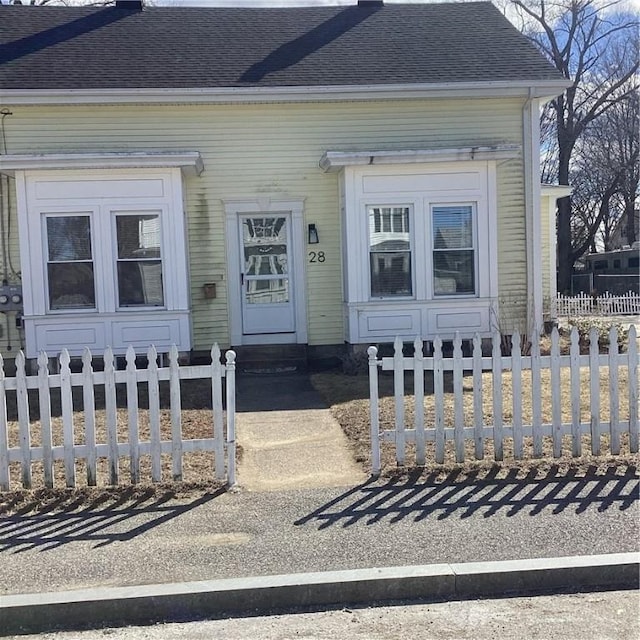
[[36, 613]]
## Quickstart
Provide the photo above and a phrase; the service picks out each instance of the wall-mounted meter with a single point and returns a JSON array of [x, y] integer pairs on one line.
[[10, 298]]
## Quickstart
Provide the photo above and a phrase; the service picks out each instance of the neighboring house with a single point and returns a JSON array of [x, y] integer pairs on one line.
[[619, 238], [317, 176]]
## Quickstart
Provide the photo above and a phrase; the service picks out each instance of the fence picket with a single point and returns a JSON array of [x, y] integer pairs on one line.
[[374, 410], [605, 304], [5, 480], [458, 407], [594, 379], [132, 415], [614, 411], [496, 388], [89, 404], [398, 385], [218, 424], [478, 413], [438, 394], [576, 432], [634, 423], [154, 414], [556, 394], [44, 400], [22, 399], [418, 394], [516, 388], [536, 395], [111, 415], [73, 447], [230, 376], [176, 414], [67, 419]]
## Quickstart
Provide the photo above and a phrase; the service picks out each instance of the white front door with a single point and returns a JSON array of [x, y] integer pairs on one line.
[[267, 296]]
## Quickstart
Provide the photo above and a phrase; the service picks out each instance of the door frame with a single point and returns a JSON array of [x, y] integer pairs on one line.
[[264, 205]]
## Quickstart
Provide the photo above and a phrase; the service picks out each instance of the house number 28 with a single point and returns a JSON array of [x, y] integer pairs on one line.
[[316, 256]]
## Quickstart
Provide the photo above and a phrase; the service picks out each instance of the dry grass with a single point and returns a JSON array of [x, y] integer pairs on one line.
[[348, 397]]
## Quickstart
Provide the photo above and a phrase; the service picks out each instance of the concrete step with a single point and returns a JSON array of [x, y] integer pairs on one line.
[[271, 358]]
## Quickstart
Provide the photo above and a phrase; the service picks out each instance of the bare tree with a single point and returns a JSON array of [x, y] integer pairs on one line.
[[578, 36]]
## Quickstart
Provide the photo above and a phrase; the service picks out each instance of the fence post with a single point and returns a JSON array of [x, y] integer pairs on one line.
[[634, 424], [23, 420], [218, 419], [88, 398], [230, 375], [374, 409], [176, 414], [67, 419], [594, 391], [132, 415], [4, 435], [418, 394], [154, 414], [111, 415], [44, 398]]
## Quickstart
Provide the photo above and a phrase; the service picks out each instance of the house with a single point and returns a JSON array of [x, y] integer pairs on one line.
[[316, 176]]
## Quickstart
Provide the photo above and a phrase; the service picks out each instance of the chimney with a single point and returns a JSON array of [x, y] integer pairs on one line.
[[129, 5]]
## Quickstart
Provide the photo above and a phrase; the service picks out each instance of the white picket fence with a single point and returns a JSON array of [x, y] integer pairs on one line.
[[605, 304], [499, 429], [221, 442]]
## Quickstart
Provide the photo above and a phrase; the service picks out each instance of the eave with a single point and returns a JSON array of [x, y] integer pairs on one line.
[[543, 89]]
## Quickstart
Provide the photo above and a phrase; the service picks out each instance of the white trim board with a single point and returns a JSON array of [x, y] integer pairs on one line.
[[545, 90], [190, 162]]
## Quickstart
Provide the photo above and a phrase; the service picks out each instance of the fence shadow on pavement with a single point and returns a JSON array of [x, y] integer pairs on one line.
[[462, 496], [104, 520]]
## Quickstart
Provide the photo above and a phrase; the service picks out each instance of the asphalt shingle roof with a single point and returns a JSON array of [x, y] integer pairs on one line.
[[51, 47]]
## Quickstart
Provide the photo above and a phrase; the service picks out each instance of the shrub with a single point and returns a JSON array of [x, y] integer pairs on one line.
[[603, 325]]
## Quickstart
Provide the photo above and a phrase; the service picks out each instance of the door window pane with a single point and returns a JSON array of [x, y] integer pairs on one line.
[[389, 252], [271, 291], [70, 270], [453, 250], [139, 264]]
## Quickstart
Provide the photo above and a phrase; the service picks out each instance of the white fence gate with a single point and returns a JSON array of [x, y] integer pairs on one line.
[[574, 373], [84, 447], [605, 304]]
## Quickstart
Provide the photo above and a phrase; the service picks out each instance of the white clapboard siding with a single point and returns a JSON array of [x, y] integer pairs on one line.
[[519, 365], [221, 443], [605, 304]]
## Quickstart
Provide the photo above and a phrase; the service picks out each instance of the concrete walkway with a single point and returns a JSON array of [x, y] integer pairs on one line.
[[288, 437]]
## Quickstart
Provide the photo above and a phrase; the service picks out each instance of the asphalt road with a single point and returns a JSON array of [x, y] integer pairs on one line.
[[250, 534], [610, 615]]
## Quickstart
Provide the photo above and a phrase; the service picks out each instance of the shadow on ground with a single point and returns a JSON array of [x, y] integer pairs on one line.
[[464, 496], [106, 519]]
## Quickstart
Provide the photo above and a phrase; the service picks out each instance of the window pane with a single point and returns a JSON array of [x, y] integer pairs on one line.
[[273, 290], [452, 227], [140, 283], [71, 285], [390, 274], [138, 236], [453, 272], [394, 235], [68, 238]]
